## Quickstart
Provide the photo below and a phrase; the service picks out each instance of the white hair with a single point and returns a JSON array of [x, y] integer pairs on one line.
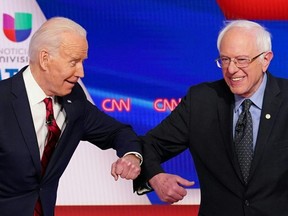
[[262, 36], [49, 35]]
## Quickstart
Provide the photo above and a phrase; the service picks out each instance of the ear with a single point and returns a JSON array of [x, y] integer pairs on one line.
[[44, 59], [268, 56]]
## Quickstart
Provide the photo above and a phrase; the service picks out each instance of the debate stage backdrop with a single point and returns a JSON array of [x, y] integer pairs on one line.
[[143, 56]]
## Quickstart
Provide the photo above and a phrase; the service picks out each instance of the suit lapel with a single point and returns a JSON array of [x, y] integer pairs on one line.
[[72, 109], [23, 114], [225, 111], [271, 105], [270, 108]]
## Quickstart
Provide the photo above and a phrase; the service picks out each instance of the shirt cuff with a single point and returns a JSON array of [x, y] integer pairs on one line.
[[138, 155], [146, 188]]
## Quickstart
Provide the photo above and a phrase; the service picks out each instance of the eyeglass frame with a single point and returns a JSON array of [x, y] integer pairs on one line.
[[250, 60]]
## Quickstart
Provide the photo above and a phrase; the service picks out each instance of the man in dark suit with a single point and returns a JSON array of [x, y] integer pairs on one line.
[[57, 51], [204, 122]]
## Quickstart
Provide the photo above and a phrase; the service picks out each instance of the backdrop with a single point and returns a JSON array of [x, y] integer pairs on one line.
[[143, 56]]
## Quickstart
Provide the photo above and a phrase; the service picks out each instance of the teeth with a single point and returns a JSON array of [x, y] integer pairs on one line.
[[237, 78]]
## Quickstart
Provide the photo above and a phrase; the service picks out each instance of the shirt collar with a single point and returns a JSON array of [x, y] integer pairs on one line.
[[34, 92], [256, 98]]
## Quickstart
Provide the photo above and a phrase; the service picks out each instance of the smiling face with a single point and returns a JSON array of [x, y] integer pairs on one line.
[[63, 69], [239, 42]]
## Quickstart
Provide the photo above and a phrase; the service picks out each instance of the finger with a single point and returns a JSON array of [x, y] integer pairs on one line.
[[171, 196], [129, 169], [113, 171], [175, 198], [125, 171], [133, 172], [185, 182], [128, 172], [118, 168], [177, 191]]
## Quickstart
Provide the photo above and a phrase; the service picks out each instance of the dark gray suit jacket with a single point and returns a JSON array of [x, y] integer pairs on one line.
[[203, 123], [20, 170]]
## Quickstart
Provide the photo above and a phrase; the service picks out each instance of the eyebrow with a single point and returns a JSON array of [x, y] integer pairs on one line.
[[235, 56]]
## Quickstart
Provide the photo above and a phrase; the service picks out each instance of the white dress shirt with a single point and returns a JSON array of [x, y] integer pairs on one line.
[[38, 109]]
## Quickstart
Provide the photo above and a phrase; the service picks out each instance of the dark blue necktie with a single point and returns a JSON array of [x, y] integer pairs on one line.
[[244, 139]]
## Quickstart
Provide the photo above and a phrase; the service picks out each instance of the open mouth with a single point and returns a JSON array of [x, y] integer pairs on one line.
[[235, 79]]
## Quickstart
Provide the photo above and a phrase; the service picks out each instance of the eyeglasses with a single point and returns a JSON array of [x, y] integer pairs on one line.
[[240, 61]]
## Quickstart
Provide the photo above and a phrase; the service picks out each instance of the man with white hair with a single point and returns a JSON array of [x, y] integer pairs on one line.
[[44, 115], [236, 129]]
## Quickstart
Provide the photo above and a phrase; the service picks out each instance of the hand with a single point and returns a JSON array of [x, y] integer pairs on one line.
[[170, 188], [127, 167]]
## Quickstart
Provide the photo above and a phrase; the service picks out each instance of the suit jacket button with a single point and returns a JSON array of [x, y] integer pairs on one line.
[[246, 202]]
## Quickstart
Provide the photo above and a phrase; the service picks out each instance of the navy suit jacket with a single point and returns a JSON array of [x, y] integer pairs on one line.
[[202, 123], [20, 170]]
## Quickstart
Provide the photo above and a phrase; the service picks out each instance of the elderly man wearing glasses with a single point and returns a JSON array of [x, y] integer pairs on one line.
[[236, 130]]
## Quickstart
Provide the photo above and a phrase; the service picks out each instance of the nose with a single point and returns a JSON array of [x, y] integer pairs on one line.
[[80, 71], [232, 68]]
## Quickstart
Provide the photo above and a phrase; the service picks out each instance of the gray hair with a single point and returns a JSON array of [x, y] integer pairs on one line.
[[263, 37], [49, 35]]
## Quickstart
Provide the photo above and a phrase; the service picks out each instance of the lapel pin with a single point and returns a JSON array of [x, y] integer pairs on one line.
[[267, 116], [69, 101]]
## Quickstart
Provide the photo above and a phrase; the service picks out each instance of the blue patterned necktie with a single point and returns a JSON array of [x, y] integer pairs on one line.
[[243, 139]]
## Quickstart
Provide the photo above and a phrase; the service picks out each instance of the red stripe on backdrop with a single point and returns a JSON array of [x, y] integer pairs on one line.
[[126, 210], [254, 9]]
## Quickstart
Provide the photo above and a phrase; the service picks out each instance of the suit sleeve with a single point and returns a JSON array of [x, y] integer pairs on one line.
[[98, 128], [106, 132], [162, 143]]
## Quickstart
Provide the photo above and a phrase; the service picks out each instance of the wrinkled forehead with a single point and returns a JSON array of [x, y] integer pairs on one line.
[[74, 44], [239, 40]]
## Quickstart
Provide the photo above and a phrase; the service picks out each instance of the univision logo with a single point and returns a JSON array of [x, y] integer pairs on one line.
[[19, 28]]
